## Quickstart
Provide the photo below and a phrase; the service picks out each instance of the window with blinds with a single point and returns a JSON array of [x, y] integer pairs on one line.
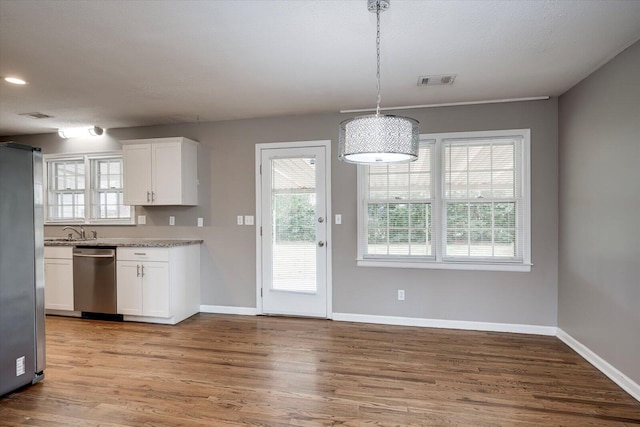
[[463, 204], [482, 198], [85, 189], [398, 202], [66, 189], [107, 189]]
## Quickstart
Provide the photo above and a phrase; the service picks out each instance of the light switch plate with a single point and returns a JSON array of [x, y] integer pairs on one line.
[[239, 220], [172, 220], [338, 219], [142, 219], [200, 222], [248, 219]]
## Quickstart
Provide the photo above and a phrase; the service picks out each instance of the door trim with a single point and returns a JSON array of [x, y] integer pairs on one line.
[[258, 155]]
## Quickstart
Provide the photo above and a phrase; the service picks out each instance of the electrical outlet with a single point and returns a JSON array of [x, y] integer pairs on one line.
[[172, 220], [142, 219], [200, 222], [239, 220], [400, 294]]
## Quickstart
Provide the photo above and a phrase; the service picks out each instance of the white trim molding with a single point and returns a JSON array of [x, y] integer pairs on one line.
[[451, 104], [387, 263], [446, 324], [228, 309], [626, 383]]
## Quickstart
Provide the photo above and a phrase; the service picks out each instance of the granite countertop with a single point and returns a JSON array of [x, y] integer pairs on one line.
[[121, 242]]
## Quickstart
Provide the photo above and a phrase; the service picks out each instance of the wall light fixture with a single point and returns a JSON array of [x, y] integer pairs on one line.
[[77, 132]]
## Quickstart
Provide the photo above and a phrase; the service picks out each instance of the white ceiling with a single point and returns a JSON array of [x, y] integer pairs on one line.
[[131, 63]]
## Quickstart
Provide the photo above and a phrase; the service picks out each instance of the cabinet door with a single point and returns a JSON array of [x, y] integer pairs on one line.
[[155, 290], [167, 173], [137, 174], [129, 287], [58, 284]]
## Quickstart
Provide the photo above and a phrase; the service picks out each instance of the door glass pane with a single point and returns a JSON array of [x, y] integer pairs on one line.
[[293, 209]]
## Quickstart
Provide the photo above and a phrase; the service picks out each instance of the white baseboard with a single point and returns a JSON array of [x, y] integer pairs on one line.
[[227, 309], [626, 383], [446, 324]]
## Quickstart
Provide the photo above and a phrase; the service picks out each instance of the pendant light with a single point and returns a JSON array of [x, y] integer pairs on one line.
[[378, 138]]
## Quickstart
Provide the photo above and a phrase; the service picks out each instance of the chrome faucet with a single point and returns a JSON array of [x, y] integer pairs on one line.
[[80, 233]]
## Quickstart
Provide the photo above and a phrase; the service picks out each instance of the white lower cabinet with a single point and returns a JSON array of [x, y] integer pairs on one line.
[[129, 288], [58, 278], [143, 288], [156, 295], [160, 285]]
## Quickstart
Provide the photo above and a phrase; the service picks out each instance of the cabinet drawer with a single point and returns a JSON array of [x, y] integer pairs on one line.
[[59, 252], [142, 254]]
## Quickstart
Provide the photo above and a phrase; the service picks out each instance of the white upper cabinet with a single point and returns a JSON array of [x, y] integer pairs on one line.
[[160, 171]]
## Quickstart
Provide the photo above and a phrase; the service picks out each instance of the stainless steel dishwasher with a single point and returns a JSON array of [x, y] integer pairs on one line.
[[94, 280]]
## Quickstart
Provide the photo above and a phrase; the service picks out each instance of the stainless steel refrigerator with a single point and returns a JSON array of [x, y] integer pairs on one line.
[[22, 352]]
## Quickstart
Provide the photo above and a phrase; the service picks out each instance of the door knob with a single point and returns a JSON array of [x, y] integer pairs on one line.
[[321, 220], [321, 243]]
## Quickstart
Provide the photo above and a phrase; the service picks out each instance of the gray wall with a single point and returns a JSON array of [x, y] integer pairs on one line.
[[599, 274], [226, 162]]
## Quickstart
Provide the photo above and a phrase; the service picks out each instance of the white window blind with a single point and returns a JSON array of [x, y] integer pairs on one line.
[[293, 205], [398, 202], [483, 199], [66, 193], [107, 189]]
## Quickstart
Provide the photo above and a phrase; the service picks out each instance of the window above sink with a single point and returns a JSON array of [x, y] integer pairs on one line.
[[85, 189]]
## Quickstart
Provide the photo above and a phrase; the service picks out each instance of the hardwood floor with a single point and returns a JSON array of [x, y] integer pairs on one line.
[[217, 370]]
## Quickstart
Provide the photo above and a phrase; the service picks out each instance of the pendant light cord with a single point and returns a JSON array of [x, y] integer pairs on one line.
[[378, 55]]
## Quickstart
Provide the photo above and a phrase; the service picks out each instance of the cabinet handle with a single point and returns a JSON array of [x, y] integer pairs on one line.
[[148, 196], [137, 270], [153, 196], [139, 253], [143, 271]]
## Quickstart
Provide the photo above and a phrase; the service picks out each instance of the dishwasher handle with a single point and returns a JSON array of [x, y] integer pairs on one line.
[[92, 256]]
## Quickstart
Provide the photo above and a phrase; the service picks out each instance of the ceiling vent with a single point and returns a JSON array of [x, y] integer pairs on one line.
[[447, 79], [36, 115]]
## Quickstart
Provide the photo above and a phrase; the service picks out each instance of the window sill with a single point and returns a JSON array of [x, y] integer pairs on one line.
[[433, 265], [87, 223]]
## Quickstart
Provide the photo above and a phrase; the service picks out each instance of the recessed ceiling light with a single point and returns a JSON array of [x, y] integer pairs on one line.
[[15, 80]]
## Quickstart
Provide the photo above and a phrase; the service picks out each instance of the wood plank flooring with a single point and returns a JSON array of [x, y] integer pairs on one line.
[[221, 370]]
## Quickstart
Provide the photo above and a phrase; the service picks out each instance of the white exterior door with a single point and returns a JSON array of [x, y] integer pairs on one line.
[[294, 224]]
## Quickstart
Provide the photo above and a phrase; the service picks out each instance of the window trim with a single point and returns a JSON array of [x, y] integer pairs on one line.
[[439, 203], [88, 190]]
